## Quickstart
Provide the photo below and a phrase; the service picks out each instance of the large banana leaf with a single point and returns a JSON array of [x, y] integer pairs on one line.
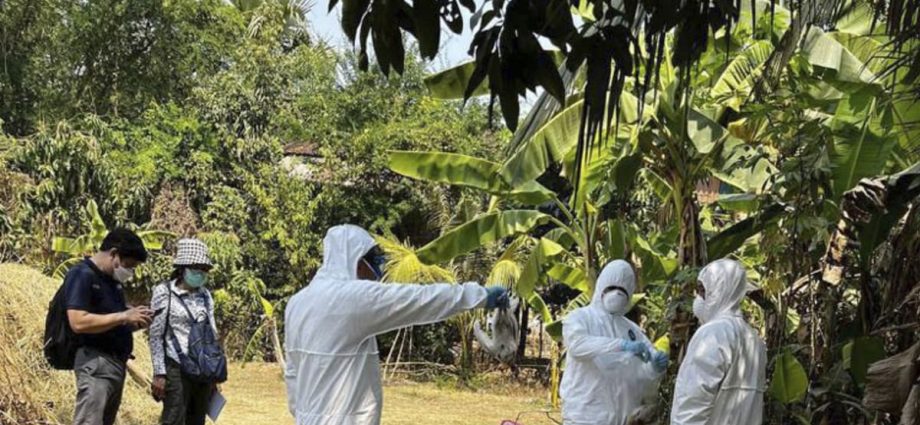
[[658, 184], [736, 82], [78, 246], [547, 146], [706, 134], [572, 277], [747, 179], [656, 266], [155, 239], [824, 51], [732, 238], [442, 167], [859, 353], [538, 305], [789, 383], [451, 83], [739, 202], [480, 231], [466, 171], [557, 138], [869, 51], [862, 143], [544, 252]]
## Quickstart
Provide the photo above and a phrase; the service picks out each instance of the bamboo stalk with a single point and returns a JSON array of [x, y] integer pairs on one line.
[[386, 365], [399, 355]]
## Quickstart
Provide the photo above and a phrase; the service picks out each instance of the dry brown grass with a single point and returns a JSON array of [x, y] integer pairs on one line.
[[256, 395], [33, 393]]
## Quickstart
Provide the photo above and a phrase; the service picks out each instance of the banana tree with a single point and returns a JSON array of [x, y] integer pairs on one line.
[[79, 246], [252, 289]]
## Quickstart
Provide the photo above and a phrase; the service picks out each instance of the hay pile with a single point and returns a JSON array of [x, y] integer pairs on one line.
[[32, 392]]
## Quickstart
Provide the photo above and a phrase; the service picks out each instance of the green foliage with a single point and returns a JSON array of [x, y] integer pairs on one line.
[[480, 231], [87, 244], [860, 353], [203, 102], [789, 382]]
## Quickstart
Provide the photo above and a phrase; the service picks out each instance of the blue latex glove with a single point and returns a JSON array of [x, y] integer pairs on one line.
[[497, 297], [635, 347], [660, 361]]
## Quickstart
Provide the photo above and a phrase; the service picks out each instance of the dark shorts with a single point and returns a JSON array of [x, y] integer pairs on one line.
[[100, 381], [186, 401]]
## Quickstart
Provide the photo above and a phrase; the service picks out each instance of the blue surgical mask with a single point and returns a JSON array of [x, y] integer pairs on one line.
[[195, 278]]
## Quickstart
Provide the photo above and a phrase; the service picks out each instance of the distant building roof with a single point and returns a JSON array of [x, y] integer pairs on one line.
[[302, 149]]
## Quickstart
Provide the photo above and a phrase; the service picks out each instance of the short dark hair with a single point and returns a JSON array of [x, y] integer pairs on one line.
[[126, 242]]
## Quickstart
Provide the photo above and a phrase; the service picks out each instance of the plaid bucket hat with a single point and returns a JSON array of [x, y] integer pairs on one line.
[[191, 252]]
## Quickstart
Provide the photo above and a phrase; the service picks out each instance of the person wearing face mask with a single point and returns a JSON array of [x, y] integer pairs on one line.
[[103, 322], [610, 363], [333, 364], [722, 379], [185, 313]]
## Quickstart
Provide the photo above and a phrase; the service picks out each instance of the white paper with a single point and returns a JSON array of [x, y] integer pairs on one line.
[[216, 405]]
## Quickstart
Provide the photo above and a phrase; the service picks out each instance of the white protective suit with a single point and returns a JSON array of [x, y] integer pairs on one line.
[[601, 384], [723, 376], [333, 366]]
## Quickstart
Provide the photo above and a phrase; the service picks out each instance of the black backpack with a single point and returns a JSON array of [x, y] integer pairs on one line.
[[60, 342], [205, 361]]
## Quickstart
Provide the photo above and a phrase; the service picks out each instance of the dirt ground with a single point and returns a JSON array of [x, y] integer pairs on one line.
[[256, 395]]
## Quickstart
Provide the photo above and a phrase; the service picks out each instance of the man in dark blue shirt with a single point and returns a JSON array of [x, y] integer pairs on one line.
[[98, 314]]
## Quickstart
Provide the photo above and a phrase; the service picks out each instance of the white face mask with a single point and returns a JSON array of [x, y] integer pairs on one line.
[[122, 274], [700, 310], [616, 302]]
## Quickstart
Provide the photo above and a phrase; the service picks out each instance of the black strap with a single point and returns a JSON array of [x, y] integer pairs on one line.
[[187, 310], [167, 328]]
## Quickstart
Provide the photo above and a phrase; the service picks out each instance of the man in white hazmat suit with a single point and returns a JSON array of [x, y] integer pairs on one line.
[[723, 376], [610, 363], [333, 367]]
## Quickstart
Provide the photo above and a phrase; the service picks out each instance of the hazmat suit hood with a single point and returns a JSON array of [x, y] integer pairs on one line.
[[343, 247], [616, 273], [726, 285]]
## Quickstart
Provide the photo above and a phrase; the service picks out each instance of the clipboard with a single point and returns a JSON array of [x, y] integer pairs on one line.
[[216, 405]]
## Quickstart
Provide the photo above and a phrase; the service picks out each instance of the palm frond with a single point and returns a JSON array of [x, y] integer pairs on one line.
[[508, 267], [403, 265]]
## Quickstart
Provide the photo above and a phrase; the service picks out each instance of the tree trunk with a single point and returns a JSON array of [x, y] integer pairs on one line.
[[691, 253], [522, 342]]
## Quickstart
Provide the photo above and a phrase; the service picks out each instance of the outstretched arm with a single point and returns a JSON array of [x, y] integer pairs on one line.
[[393, 306]]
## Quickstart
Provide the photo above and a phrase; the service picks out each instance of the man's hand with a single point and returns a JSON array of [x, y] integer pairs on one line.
[[158, 387], [635, 347], [138, 317], [497, 297]]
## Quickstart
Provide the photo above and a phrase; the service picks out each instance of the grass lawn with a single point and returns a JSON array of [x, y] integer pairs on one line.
[[256, 395]]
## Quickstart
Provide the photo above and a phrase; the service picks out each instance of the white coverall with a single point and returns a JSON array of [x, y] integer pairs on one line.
[[333, 366], [602, 385], [722, 378]]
